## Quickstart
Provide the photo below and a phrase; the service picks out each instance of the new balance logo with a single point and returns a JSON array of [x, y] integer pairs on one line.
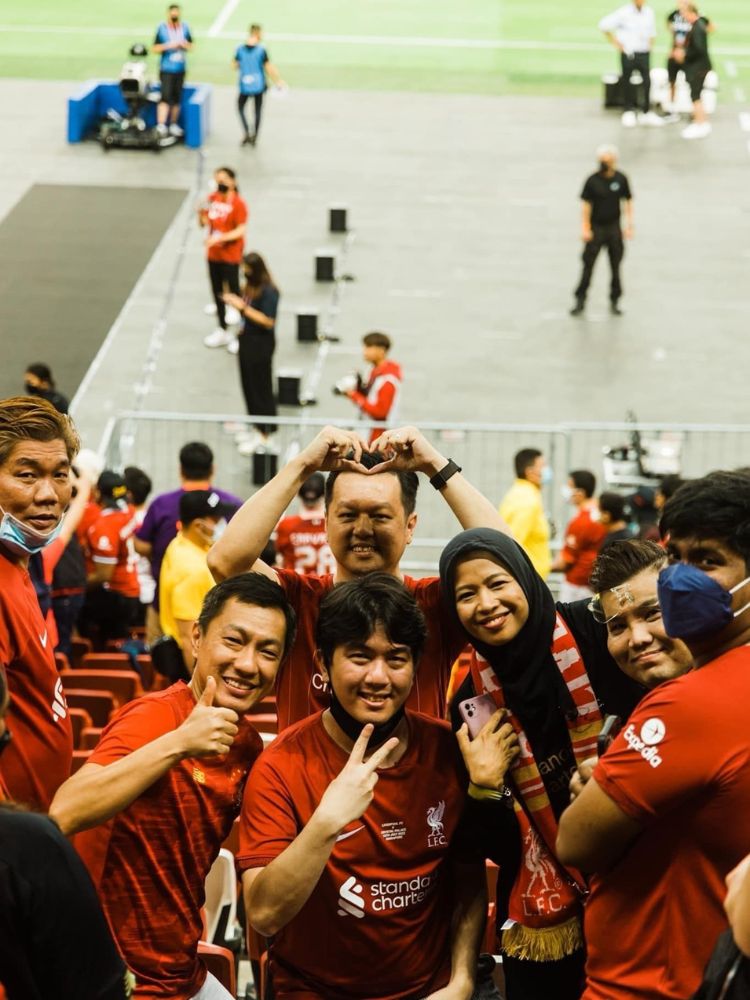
[[59, 705], [350, 899]]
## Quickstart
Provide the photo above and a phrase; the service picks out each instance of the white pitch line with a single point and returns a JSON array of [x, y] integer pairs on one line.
[[388, 41], [223, 16]]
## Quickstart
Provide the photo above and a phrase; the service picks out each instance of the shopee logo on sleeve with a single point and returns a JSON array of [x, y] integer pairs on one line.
[[59, 705], [652, 733]]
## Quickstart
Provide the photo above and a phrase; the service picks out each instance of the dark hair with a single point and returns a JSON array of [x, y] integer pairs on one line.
[[196, 461], [409, 482], [584, 480], [716, 506], [226, 170], [138, 484], [612, 504], [351, 612], [259, 275], [42, 371], [524, 458], [30, 418], [377, 339], [249, 588], [622, 560], [254, 29], [669, 485]]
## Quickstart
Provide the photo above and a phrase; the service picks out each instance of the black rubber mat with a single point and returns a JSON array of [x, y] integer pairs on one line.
[[69, 257]]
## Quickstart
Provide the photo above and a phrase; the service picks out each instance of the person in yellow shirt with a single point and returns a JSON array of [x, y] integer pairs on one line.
[[185, 578], [523, 510]]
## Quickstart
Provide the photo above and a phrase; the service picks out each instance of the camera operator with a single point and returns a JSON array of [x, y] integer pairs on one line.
[[376, 398]]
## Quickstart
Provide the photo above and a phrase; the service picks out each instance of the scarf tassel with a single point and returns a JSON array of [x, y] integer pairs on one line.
[[543, 944]]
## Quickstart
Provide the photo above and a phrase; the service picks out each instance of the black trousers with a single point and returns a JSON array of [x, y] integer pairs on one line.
[[642, 62], [241, 102], [256, 374], [609, 236], [224, 278]]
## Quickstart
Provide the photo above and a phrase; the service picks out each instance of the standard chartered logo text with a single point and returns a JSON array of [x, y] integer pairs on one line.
[[384, 896]]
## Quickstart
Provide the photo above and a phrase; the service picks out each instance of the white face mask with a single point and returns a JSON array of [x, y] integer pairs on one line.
[[22, 539], [220, 528], [566, 493]]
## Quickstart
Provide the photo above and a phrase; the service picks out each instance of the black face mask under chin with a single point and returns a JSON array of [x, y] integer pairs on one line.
[[352, 727]]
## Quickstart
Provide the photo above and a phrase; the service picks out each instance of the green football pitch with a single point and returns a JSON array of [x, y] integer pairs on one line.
[[480, 46]]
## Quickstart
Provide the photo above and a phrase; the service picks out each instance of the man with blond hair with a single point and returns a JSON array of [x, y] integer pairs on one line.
[[37, 446]]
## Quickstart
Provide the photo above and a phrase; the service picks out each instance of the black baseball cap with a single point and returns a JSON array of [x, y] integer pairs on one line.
[[202, 503], [313, 488], [111, 485]]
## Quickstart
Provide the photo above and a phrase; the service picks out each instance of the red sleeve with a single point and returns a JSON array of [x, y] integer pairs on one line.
[[283, 543], [104, 541], [240, 212], [268, 822], [380, 407], [659, 759], [135, 725]]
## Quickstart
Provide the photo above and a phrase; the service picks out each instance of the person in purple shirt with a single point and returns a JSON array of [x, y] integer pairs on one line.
[[160, 523]]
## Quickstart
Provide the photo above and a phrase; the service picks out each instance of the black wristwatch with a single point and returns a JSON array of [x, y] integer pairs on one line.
[[440, 479]]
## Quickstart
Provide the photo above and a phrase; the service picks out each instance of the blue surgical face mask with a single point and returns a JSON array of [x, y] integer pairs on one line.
[[693, 604], [22, 539], [546, 475]]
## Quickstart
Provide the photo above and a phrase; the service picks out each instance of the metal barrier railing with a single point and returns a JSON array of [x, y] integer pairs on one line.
[[151, 440]]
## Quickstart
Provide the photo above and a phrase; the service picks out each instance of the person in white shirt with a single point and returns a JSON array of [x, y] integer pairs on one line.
[[632, 29]]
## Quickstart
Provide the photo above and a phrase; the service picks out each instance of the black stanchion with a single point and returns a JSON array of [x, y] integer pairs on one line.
[[325, 265], [337, 219], [289, 380], [265, 467], [307, 327]]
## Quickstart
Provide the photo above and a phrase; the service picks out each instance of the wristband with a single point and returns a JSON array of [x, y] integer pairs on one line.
[[440, 479], [479, 792]]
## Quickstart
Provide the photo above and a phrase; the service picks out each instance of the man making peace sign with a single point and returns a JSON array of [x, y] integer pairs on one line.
[[349, 826]]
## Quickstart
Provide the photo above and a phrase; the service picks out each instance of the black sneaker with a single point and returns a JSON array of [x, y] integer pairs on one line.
[[578, 307], [615, 309], [246, 141]]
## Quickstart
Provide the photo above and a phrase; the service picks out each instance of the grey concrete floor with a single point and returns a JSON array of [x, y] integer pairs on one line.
[[465, 249]]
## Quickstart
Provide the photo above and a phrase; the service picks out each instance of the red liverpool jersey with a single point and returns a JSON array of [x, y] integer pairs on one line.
[[300, 689], [149, 863], [377, 924], [302, 545], [110, 540], [37, 760]]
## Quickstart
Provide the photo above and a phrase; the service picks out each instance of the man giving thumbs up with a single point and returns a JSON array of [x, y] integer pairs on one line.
[[160, 792]]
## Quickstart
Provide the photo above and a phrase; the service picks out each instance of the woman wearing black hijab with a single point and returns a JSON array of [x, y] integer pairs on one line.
[[547, 665]]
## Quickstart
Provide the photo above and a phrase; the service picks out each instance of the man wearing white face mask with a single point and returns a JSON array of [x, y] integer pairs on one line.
[[666, 815], [37, 446], [185, 578], [583, 537]]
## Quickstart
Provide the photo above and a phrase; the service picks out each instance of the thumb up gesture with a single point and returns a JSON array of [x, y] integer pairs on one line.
[[208, 730]]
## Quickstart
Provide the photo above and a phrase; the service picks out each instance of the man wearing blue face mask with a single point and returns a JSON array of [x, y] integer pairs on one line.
[[667, 814], [37, 446]]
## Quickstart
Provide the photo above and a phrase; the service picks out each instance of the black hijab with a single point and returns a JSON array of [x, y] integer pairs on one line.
[[532, 686]]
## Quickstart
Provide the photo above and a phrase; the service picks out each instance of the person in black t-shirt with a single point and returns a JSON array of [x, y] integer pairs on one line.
[[697, 65], [38, 381], [601, 198], [679, 28], [258, 307]]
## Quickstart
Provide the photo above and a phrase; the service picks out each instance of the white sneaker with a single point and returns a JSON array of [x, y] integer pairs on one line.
[[231, 315], [162, 130], [219, 338], [252, 444], [651, 118], [246, 434], [628, 119], [234, 345], [210, 309], [698, 130], [176, 131]]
